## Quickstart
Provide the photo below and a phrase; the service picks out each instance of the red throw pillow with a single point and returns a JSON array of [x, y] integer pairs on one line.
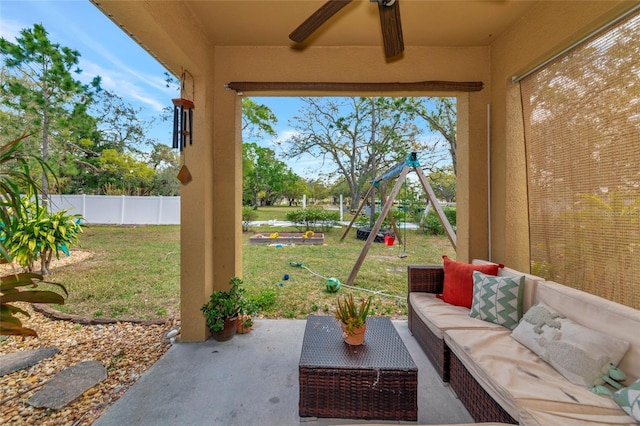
[[458, 280]]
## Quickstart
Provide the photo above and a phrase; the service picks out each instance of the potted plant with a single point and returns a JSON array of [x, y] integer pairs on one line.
[[245, 323], [223, 308], [353, 318], [245, 317]]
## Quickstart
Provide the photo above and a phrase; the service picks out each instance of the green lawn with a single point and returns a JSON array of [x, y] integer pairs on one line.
[[274, 212], [134, 272]]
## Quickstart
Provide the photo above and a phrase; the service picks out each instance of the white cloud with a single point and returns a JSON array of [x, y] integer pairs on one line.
[[286, 134], [9, 30], [121, 84]]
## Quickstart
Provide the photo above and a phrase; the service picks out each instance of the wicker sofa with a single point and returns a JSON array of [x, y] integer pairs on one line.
[[500, 380]]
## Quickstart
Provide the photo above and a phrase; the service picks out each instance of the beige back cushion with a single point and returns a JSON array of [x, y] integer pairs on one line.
[[599, 314]]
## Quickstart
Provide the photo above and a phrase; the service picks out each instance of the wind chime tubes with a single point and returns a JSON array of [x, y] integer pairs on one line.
[[182, 122]]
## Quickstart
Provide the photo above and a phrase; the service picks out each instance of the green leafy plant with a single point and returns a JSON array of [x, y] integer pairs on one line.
[[352, 314], [226, 305], [313, 219], [15, 179], [37, 234], [249, 214], [430, 222], [23, 287]]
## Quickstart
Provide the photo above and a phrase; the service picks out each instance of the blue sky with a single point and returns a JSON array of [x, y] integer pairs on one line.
[[125, 68]]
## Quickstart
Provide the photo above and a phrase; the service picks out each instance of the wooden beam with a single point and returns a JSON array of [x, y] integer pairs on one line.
[[355, 216], [436, 205], [417, 86], [377, 225]]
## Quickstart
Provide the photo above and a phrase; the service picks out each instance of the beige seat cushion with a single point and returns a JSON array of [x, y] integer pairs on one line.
[[540, 418], [439, 316], [517, 378]]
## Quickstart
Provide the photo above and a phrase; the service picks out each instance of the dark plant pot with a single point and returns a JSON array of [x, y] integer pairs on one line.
[[229, 330]]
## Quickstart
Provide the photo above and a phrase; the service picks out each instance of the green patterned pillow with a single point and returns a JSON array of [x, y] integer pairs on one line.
[[629, 399], [497, 299]]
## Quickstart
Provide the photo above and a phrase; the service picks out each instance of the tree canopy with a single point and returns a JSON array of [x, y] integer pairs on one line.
[[93, 141]]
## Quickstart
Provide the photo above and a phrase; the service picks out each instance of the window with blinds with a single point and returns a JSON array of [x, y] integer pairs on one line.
[[582, 132]]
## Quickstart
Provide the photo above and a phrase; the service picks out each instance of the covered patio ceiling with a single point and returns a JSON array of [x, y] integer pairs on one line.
[[269, 22]]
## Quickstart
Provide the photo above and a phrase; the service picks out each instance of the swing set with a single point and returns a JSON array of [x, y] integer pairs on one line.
[[400, 172]]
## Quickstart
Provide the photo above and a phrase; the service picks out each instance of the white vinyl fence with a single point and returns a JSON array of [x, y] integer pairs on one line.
[[120, 209]]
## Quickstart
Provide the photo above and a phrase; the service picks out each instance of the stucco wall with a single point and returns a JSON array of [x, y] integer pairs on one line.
[[547, 28]]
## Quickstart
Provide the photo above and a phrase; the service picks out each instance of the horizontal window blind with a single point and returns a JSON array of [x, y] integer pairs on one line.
[[582, 138]]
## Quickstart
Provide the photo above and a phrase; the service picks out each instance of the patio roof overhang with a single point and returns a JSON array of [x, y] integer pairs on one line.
[[267, 23]]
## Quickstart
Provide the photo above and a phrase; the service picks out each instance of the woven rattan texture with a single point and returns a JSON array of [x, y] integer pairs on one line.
[[323, 346], [377, 380], [476, 400], [429, 279], [435, 349]]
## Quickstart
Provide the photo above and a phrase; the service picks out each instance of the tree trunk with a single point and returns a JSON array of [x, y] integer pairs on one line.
[[45, 155]]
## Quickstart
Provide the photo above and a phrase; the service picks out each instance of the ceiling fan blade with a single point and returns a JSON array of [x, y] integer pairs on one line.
[[319, 17], [391, 29]]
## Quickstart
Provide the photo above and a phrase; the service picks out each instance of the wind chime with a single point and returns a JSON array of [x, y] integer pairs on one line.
[[183, 125], [182, 122]]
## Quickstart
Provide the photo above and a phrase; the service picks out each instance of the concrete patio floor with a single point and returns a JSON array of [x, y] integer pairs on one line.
[[253, 380]]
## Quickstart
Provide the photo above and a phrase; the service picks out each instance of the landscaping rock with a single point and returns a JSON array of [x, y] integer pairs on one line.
[[69, 384], [19, 360]]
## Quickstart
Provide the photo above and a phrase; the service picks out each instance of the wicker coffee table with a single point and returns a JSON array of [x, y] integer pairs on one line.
[[377, 380]]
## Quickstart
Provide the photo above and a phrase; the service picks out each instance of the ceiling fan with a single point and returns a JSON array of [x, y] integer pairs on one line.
[[389, 11]]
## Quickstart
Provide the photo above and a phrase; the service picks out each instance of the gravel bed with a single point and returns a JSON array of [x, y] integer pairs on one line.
[[126, 349]]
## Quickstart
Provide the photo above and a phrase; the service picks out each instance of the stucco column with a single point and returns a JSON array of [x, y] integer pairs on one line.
[[471, 179], [196, 229], [227, 188]]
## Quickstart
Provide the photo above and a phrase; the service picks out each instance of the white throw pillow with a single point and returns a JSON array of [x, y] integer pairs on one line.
[[580, 354]]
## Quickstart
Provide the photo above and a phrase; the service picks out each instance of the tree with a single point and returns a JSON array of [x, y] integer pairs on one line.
[[52, 98], [124, 174], [441, 116], [265, 178], [354, 137], [443, 182], [257, 119], [339, 187], [294, 187], [317, 190], [166, 164]]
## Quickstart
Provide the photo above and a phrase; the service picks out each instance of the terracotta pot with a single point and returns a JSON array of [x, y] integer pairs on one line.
[[229, 330], [357, 337], [241, 321]]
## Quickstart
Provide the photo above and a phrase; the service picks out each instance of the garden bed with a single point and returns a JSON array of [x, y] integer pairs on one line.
[[287, 238]]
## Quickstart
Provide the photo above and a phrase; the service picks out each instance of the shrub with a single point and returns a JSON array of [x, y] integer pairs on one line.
[[249, 214], [313, 219], [38, 234], [364, 222], [431, 225]]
